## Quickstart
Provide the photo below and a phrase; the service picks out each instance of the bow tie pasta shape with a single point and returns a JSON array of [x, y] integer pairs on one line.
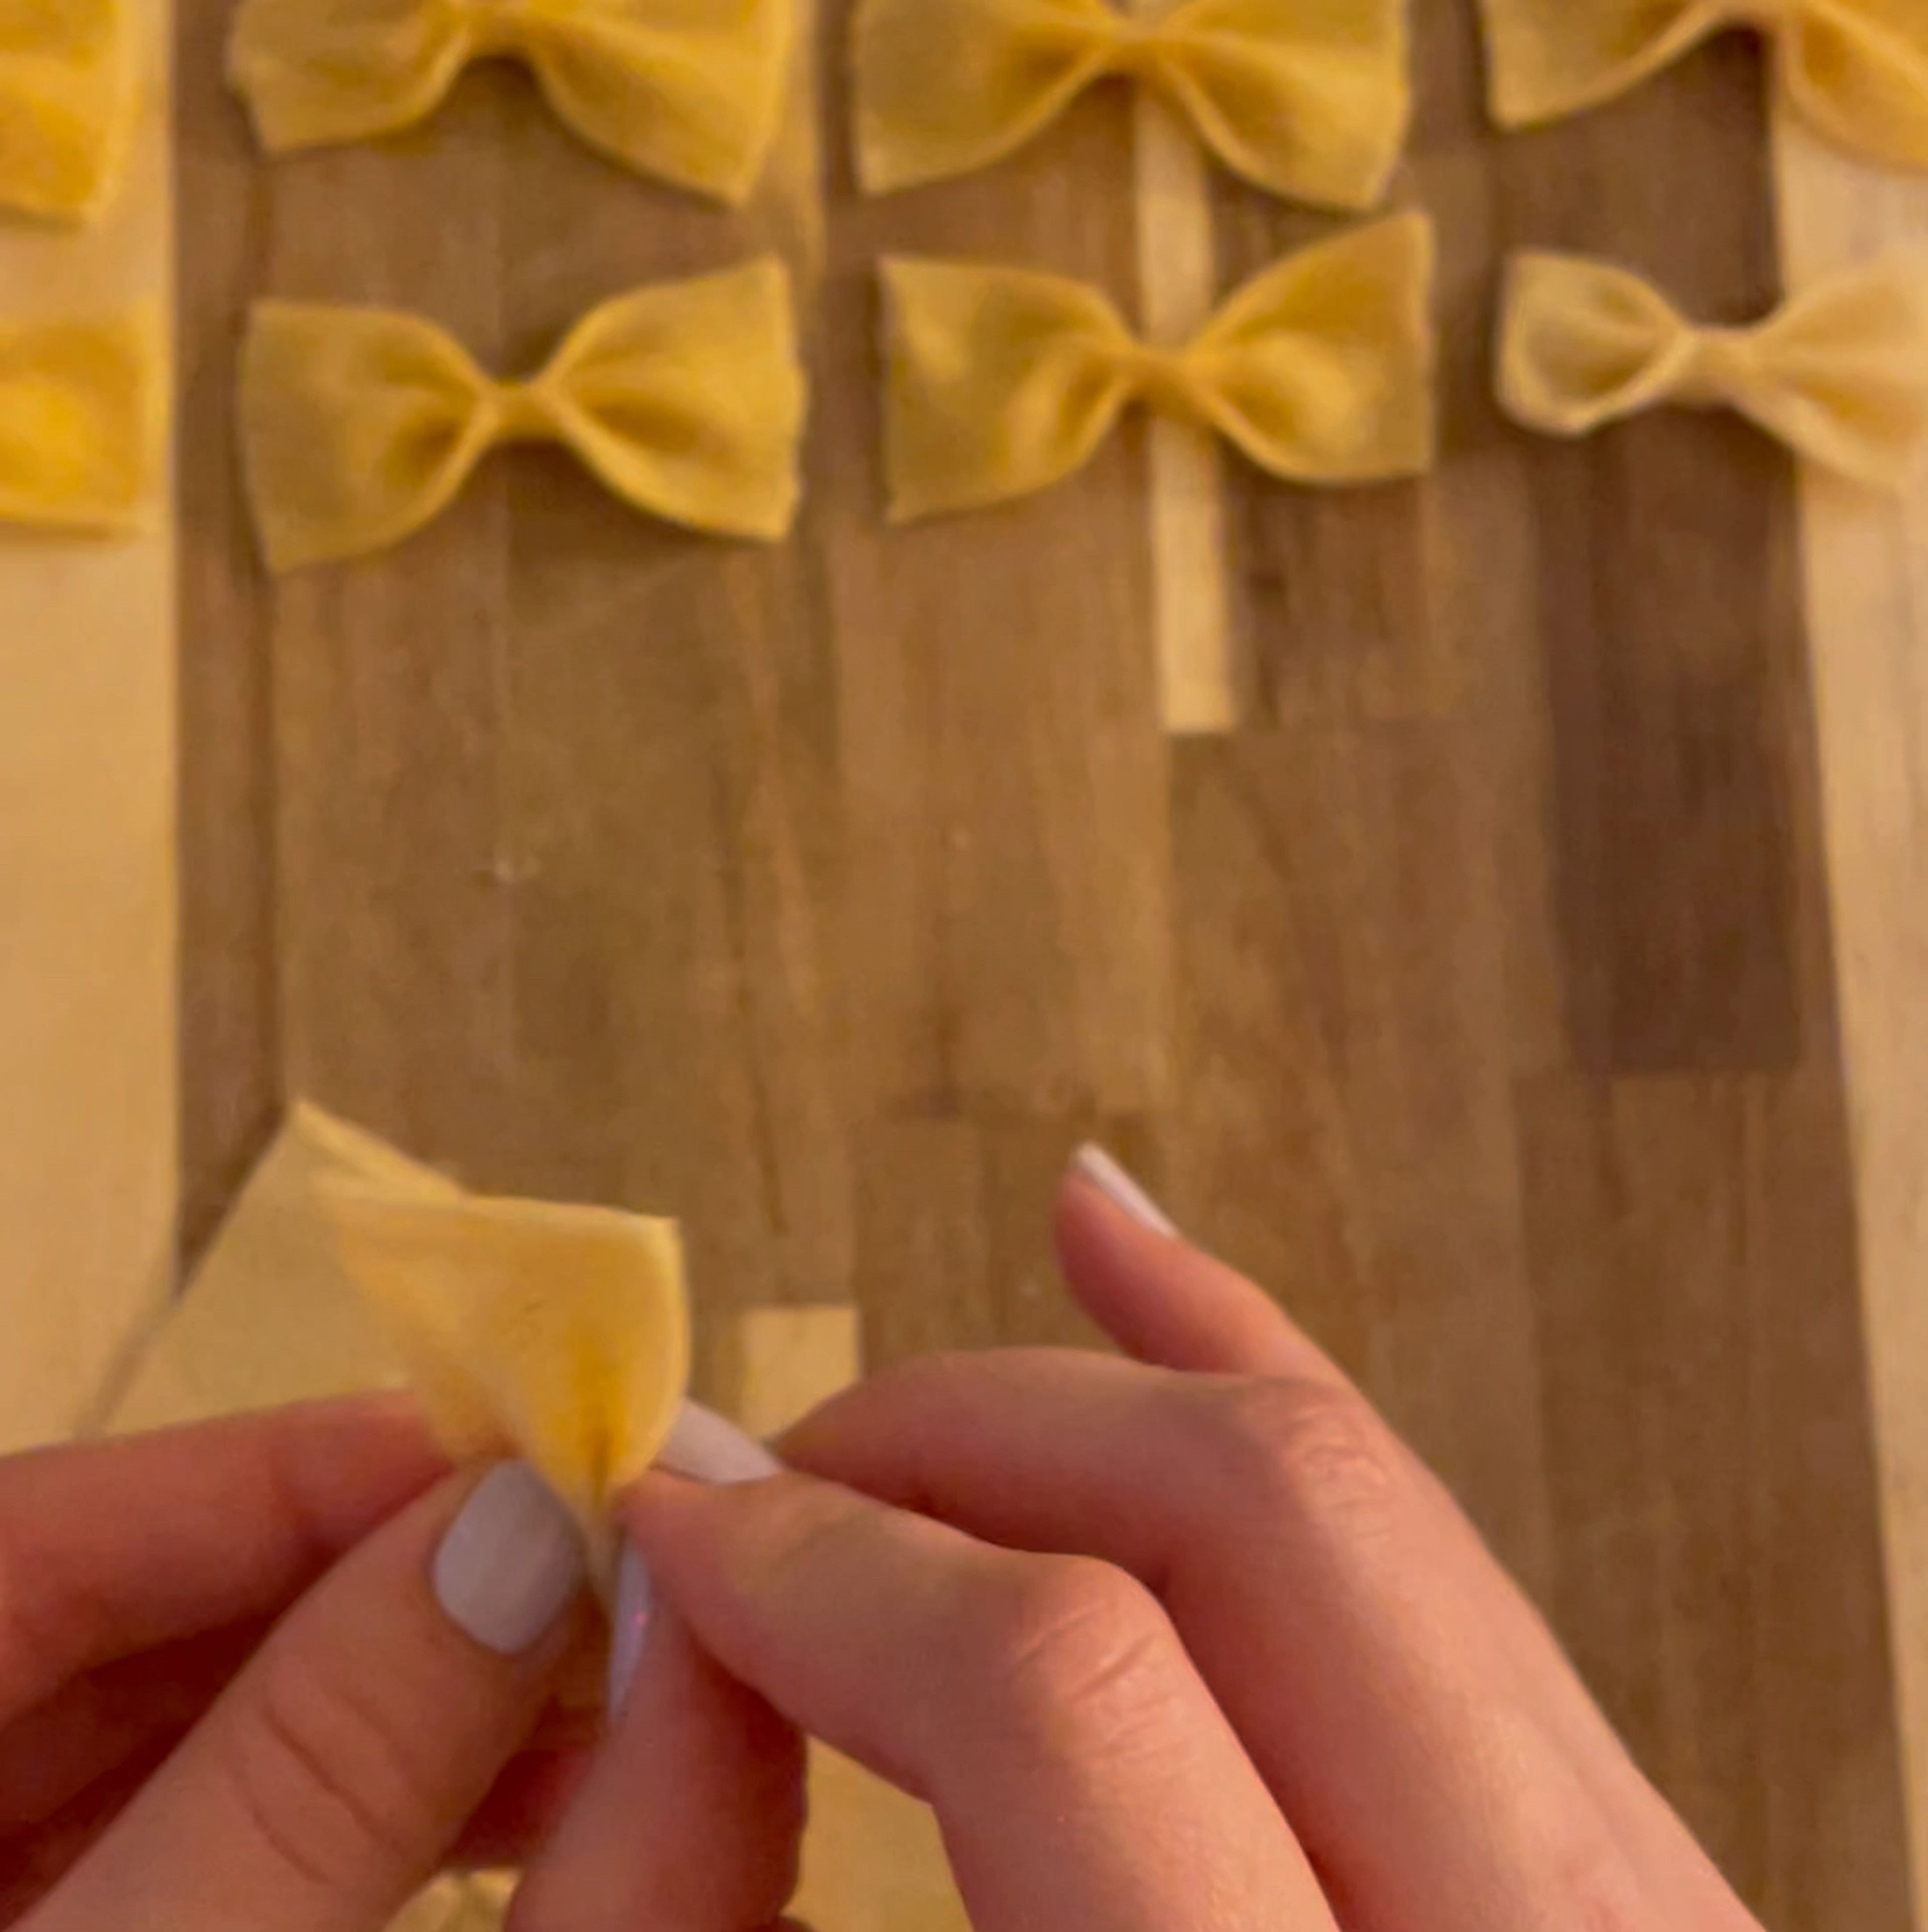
[[82, 424], [687, 401], [1856, 71], [1840, 373], [688, 91], [68, 96], [1311, 102], [560, 1333], [1002, 381]]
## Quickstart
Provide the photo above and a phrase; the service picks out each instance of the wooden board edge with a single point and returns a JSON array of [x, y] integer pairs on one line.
[[1865, 561]]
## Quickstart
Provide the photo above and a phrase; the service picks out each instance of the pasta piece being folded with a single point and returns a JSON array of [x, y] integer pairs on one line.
[[1840, 373], [1002, 381], [359, 425], [559, 1333]]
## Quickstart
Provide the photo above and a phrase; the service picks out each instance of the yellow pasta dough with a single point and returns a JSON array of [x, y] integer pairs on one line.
[[560, 1333], [82, 423], [1002, 381], [1840, 373], [68, 92], [358, 425], [271, 1315], [1856, 71], [689, 90], [1308, 100]]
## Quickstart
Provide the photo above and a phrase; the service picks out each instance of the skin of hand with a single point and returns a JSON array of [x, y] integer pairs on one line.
[[269, 1672], [1187, 1641], [279, 1671], [1183, 1641]]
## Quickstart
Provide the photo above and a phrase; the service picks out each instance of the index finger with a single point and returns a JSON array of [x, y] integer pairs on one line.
[[110, 1548], [1044, 1706]]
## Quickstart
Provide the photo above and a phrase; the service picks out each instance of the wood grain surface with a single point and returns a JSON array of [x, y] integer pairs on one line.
[[1475, 991]]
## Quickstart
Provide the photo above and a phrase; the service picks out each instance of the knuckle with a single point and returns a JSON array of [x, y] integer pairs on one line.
[[1315, 1453], [327, 1779], [1057, 1632]]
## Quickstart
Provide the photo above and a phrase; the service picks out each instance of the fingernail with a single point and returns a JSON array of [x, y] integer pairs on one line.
[[628, 1624], [511, 1562], [1092, 1163], [712, 1449], [704, 1444]]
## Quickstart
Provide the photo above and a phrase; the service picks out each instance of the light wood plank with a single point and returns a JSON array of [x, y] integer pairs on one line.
[[872, 1858], [1866, 574], [1192, 610], [88, 1073]]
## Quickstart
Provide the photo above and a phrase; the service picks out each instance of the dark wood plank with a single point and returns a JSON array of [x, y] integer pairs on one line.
[[229, 1018], [1719, 1598], [1341, 1128], [1666, 576]]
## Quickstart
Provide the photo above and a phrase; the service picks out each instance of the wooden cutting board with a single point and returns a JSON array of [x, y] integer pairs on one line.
[[1473, 987], [88, 996]]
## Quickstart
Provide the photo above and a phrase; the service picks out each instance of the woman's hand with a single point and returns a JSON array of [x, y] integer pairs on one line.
[[207, 1720], [1187, 1644]]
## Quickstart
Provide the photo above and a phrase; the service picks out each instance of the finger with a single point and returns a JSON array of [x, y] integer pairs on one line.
[[1160, 1299], [62, 1746], [32, 1863], [1082, 1775], [519, 1815], [110, 1548], [1422, 1731], [524, 1807], [333, 1775], [52, 1753], [691, 1816]]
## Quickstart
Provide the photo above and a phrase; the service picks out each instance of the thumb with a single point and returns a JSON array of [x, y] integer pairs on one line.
[[328, 1780]]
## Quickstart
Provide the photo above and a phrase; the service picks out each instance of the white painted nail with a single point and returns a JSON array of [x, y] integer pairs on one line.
[[628, 1623], [1093, 1164], [511, 1562], [708, 1447]]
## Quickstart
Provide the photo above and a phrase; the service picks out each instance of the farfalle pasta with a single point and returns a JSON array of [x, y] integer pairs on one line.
[[1840, 373], [559, 1334], [1002, 381], [1855, 71], [82, 423], [1311, 102], [68, 94], [358, 425], [688, 90]]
